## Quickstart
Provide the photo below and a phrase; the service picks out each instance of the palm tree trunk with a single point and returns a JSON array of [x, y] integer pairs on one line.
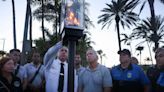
[[14, 27], [151, 4], [117, 19], [56, 27], [43, 34], [140, 58], [156, 45], [150, 52], [56, 21], [30, 31]]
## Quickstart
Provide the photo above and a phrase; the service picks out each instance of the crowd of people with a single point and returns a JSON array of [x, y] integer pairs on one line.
[[52, 74]]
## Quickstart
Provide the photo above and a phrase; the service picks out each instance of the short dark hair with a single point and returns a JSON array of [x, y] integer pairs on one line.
[[12, 50], [125, 51]]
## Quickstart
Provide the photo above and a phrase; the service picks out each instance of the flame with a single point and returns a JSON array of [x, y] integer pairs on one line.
[[72, 20], [76, 21]]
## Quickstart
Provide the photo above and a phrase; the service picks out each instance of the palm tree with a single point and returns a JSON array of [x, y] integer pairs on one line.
[[14, 24], [88, 23], [41, 13], [146, 31], [151, 5], [30, 31], [43, 20], [127, 40], [101, 54], [120, 11], [162, 1], [140, 48]]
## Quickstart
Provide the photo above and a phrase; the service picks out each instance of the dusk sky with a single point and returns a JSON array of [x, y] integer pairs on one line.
[[105, 40]]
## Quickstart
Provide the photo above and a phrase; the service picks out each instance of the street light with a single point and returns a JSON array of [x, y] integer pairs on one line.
[[3, 43], [72, 26]]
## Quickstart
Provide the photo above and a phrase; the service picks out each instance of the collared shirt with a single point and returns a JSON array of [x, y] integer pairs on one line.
[[80, 70], [95, 80], [52, 77], [21, 72], [31, 70], [128, 79]]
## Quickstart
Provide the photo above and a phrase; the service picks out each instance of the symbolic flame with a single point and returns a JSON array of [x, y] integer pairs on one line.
[[72, 20]]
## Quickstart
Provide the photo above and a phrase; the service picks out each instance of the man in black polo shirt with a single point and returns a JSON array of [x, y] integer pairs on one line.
[[156, 73], [128, 77]]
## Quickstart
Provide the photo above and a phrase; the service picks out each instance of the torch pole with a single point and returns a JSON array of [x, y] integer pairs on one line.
[[71, 47]]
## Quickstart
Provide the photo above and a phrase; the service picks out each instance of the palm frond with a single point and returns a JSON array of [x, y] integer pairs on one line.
[[121, 8], [143, 5]]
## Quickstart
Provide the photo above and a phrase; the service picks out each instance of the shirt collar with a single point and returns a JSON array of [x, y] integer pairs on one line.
[[35, 65], [128, 68], [65, 62], [97, 67]]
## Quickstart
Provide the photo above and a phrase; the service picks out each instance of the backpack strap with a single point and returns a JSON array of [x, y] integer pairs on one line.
[[32, 79], [16, 71], [8, 90]]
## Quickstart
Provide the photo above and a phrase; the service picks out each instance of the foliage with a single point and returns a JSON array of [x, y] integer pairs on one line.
[[82, 46], [120, 11], [43, 46], [121, 8], [144, 30]]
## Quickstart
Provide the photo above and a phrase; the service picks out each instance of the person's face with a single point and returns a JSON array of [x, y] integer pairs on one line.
[[134, 61], [8, 66], [91, 56], [160, 58], [124, 58], [15, 55], [63, 54], [36, 58], [77, 59]]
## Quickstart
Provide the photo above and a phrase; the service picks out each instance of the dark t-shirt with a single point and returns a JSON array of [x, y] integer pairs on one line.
[[15, 85], [153, 74]]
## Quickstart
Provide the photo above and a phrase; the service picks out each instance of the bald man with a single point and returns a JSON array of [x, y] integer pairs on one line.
[[96, 77]]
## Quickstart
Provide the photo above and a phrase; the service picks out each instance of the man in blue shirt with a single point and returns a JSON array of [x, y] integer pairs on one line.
[[35, 73], [79, 68], [128, 77]]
